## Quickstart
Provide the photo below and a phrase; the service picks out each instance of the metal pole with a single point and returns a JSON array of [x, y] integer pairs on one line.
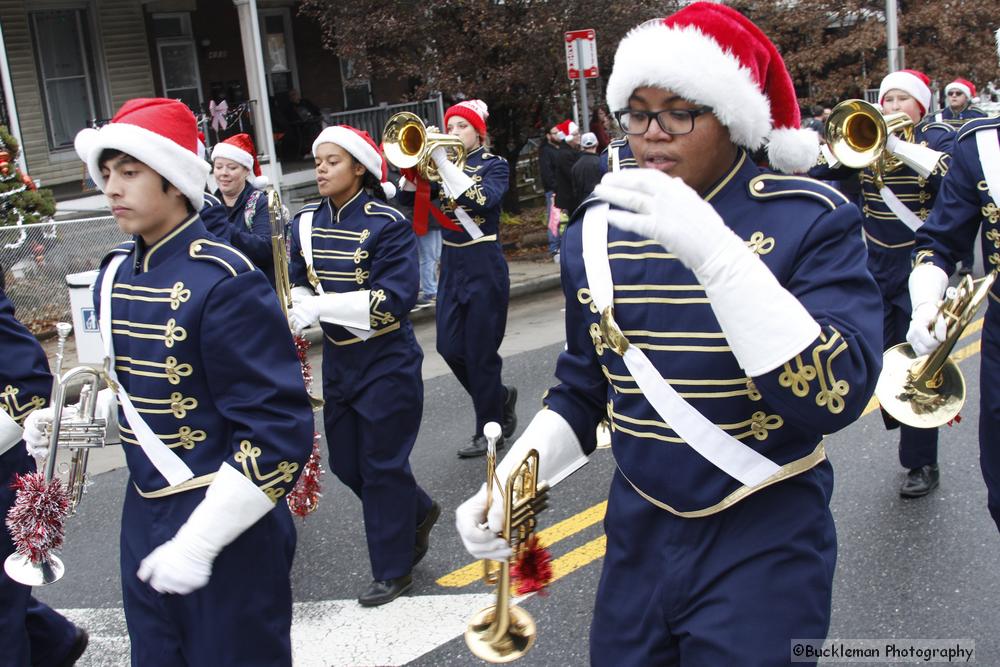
[[584, 121], [891, 35]]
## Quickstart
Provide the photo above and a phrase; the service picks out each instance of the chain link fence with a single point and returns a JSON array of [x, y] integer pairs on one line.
[[35, 259]]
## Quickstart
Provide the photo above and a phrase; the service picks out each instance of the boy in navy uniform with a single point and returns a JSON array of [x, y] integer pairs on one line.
[[960, 95], [360, 256], [722, 323], [215, 420], [969, 201], [30, 632], [894, 204]]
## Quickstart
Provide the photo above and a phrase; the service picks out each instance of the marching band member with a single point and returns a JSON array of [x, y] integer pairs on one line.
[[216, 427], [961, 95], [723, 323], [969, 200], [30, 632], [474, 287], [241, 190], [360, 255], [894, 205]]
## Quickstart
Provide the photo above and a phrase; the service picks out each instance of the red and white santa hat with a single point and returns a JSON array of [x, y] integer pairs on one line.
[[158, 132], [711, 54], [239, 148], [474, 111], [567, 130], [359, 144], [914, 83], [963, 85]]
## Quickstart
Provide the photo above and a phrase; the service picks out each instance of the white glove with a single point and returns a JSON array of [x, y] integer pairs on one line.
[[36, 441], [454, 181], [299, 292], [481, 540], [405, 185], [304, 313], [183, 564], [764, 323], [559, 455], [927, 330]]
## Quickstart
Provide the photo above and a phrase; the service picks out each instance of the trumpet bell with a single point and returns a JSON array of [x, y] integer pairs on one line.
[[403, 139], [23, 571], [929, 406], [857, 132], [518, 640]]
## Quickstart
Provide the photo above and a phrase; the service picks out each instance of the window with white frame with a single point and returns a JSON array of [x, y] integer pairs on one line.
[[66, 72]]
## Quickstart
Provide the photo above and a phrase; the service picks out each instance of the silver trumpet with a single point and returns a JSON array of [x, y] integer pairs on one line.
[[80, 434]]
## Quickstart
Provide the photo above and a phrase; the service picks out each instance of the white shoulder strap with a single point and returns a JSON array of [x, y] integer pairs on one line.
[[722, 450], [306, 243], [988, 143], [173, 469]]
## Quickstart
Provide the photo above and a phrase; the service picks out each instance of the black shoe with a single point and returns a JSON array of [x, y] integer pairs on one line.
[[477, 447], [77, 649], [424, 532], [920, 481], [509, 414], [382, 592]]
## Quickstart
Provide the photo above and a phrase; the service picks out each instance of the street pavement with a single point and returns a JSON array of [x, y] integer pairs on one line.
[[907, 569]]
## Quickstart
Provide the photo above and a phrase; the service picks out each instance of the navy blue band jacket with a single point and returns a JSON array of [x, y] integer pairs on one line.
[[809, 236], [206, 357]]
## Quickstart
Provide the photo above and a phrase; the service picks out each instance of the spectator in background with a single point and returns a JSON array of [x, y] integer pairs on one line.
[[548, 155], [600, 126], [586, 171], [567, 157], [303, 122]]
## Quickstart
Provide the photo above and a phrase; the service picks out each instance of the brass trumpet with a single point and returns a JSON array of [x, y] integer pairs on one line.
[[407, 144], [279, 253], [859, 136], [80, 434], [927, 392], [503, 632]]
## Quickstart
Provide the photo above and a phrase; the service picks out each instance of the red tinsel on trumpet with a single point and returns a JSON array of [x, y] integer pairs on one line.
[[533, 570], [304, 498], [956, 420], [37, 518]]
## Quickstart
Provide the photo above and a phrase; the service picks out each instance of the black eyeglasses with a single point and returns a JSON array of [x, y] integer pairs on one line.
[[955, 92], [671, 121]]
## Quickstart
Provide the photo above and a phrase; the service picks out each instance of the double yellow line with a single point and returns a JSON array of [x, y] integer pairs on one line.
[[594, 549]]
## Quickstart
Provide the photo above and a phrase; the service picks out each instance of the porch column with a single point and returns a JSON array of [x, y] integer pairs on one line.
[[253, 59]]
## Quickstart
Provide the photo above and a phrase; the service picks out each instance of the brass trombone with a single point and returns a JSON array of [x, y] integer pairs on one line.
[[927, 392], [408, 144], [279, 253], [503, 632], [80, 434], [860, 135]]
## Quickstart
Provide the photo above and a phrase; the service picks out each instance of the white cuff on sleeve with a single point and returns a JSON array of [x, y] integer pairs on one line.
[[764, 323], [559, 451], [348, 309], [10, 432]]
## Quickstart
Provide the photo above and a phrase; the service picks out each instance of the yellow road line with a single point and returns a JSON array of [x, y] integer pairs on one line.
[[585, 554], [565, 528]]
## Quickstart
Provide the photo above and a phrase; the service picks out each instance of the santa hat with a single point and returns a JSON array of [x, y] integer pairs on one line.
[[239, 148], [915, 84], [567, 130], [158, 132], [711, 54], [359, 144], [963, 85], [474, 111]]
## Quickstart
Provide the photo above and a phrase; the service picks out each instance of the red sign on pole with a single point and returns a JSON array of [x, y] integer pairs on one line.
[[581, 54]]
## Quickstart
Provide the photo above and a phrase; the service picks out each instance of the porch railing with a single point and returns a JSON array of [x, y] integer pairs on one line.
[[373, 119]]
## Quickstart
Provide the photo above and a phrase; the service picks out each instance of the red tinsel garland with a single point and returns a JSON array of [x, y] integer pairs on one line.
[[956, 420], [533, 570], [304, 498], [37, 518]]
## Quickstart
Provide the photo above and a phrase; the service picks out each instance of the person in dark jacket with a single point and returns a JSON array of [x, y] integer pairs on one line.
[[548, 154], [586, 173], [567, 157]]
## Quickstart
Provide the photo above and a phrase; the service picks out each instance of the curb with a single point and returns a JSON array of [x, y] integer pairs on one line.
[[518, 290]]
